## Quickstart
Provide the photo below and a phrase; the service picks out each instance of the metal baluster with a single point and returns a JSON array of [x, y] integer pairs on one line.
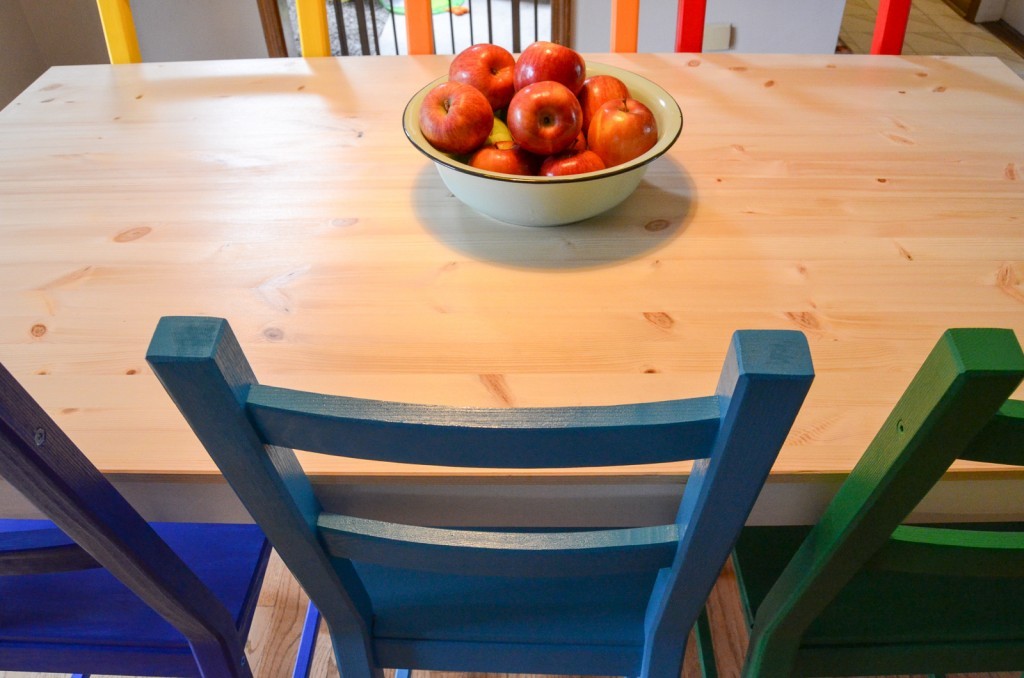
[[372, 6], [472, 40], [490, 24], [536, 21], [515, 26], [394, 24], [339, 21], [451, 24], [364, 37]]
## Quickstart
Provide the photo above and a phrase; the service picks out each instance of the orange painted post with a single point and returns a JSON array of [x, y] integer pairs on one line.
[[419, 26], [890, 27], [690, 25], [625, 25]]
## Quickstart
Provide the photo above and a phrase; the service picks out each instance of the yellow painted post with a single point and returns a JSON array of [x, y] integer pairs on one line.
[[419, 26], [119, 31], [314, 40], [625, 25]]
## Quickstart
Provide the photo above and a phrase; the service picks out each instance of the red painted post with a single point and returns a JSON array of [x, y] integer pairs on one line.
[[690, 25], [890, 27]]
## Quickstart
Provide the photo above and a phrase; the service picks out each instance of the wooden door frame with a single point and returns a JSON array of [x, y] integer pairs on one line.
[[561, 22], [273, 33]]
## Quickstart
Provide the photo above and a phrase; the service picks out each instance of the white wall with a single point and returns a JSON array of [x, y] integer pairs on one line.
[[37, 34], [66, 31], [1013, 14], [775, 26], [21, 60], [192, 30]]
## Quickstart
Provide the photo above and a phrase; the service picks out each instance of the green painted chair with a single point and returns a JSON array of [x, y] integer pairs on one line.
[[862, 594]]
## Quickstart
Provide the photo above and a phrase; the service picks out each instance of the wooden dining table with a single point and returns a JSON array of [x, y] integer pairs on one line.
[[869, 202]]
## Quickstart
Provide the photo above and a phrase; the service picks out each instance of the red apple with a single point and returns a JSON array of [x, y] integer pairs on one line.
[[595, 91], [579, 143], [548, 61], [621, 130], [455, 117], [544, 117], [504, 156], [488, 68], [571, 162]]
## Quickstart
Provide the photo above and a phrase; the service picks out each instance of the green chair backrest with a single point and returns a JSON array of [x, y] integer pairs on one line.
[[956, 407]]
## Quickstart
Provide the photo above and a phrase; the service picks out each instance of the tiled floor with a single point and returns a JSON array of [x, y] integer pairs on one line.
[[934, 28]]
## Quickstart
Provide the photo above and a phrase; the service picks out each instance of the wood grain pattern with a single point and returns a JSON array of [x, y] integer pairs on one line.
[[848, 200]]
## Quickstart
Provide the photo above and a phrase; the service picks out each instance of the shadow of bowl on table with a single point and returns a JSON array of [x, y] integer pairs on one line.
[[658, 211]]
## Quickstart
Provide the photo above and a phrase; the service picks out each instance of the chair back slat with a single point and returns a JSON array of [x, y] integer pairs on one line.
[[1002, 439], [40, 551], [249, 430], [499, 554], [39, 460], [621, 435], [947, 552]]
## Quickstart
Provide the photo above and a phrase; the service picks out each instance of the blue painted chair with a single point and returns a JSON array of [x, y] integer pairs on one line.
[[616, 601], [96, 589], [861, 593]]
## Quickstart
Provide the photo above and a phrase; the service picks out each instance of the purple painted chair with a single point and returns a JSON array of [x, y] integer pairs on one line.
[[96, 589], [531, 600]]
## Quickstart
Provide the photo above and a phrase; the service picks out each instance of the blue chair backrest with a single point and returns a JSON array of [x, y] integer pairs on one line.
[[97, 528], [341, 561]]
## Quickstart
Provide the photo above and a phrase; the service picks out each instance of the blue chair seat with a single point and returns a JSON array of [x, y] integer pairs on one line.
[[598, 621], [503, 615], [607, 610], [43, 614]]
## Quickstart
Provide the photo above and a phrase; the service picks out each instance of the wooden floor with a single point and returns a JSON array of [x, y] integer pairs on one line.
[[278, 622]]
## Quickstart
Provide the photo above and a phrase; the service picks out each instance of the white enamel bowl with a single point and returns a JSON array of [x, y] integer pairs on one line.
[[551, 201]]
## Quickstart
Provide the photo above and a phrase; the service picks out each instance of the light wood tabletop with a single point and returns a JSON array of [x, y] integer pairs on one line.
[[871, 202]]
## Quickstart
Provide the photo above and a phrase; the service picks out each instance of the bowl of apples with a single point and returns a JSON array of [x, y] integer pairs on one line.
[[544, 139]]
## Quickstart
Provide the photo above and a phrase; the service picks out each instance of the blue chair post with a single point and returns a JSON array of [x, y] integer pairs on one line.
[[307, 642], [764, 381], [201, 364]]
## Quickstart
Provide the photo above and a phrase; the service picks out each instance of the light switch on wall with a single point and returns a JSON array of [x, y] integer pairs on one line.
[[717, 37]]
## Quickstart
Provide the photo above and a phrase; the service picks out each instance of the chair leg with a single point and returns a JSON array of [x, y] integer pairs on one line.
[[307, 643], [705, 648]]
